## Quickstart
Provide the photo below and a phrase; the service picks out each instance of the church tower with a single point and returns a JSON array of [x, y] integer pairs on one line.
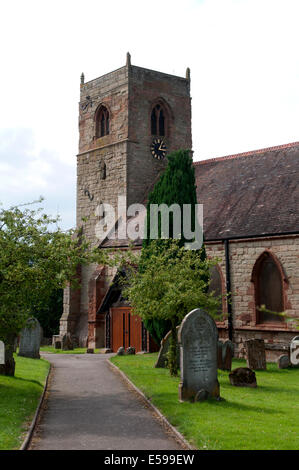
[[129, 119]]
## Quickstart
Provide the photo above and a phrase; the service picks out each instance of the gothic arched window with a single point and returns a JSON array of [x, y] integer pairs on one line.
[[268, 286], [158, 121], [216, 284], [102, 122]]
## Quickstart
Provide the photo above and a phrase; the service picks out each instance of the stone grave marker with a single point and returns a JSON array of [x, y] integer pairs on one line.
[[198, 337], [255, 354], [2, 352], [30, 339], [66, 342], [283, 362], [225, 354], [164, 348], [243, 377], [130, 350], [121, 351], [294, 351]]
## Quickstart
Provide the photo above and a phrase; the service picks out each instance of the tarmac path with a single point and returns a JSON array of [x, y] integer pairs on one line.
[[90, 407]]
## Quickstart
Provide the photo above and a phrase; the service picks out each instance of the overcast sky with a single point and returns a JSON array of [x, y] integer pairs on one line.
[[243, 56]]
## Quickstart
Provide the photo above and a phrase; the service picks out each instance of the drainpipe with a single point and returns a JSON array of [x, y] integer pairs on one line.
[[228, 290]]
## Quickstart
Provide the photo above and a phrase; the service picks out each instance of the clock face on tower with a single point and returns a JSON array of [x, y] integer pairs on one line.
[[158, 149]]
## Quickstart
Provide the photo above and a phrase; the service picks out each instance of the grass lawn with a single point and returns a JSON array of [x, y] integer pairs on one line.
[[51, 349], [19, 397], [263, 418]]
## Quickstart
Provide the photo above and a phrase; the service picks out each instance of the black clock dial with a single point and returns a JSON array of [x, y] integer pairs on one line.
[[158, 149]]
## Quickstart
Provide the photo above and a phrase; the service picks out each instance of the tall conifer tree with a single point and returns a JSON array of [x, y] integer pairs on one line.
[[175, 186]]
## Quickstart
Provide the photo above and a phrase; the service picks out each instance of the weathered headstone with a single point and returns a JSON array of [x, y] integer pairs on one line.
[[294, 351], [121, 351], [255, 354], [243, 377], [66, 342], [164, 348], [130, 350], [198, 337], [2, 352], [30, 339], [225, 354], [283, 362]]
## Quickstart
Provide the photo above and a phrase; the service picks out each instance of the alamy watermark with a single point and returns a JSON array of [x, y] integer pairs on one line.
[[294, 351], [132, 223]]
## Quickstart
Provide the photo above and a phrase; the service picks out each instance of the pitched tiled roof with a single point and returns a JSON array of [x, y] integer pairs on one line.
[[250, 193]]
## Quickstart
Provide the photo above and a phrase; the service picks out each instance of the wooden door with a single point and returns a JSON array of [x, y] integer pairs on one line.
[[126, 329]]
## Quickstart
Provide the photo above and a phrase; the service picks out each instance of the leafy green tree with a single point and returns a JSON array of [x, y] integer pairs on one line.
[[175, 186], [36, 259], [174, 282], [50, 313]]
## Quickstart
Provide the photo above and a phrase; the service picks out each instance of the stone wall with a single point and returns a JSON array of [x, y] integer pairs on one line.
[[101, 191], [111, 90], [147, 88], [243, 256]]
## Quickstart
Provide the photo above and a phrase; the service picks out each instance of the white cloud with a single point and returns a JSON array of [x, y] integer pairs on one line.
[[26, 174], [242, 54]]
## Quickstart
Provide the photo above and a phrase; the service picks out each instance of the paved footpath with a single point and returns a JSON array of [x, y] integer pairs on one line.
[[90, 407]]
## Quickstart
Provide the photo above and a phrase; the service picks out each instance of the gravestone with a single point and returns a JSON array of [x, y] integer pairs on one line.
[[198, 337], [2, 353], [130, 350], [243, 377], [225, 355], [121, 351], [164, 348], [294, 352], [255, 354], [66, 342], [283, 362], [30, 339]]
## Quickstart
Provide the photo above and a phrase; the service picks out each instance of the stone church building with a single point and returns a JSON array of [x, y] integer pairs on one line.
[[128, 120]]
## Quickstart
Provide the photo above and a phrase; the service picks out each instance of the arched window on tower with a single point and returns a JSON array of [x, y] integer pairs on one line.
[[268, 286], [158, 121], [102, 122]]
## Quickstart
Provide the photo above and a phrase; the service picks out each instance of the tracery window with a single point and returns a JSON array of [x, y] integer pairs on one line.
[[268, 285], [158, 121]]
